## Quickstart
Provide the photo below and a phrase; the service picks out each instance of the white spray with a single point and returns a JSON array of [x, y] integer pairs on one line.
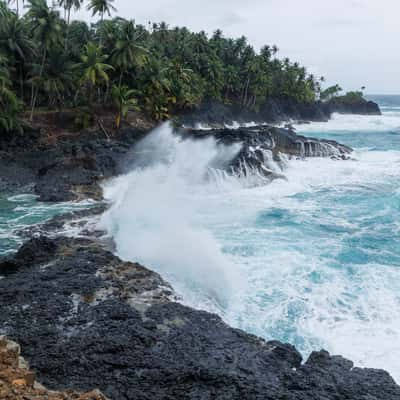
[[153, 217]]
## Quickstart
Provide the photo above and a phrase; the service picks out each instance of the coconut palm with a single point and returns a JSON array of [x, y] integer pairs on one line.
[[9, 104], [128, 53], [68, 5], [58, 80], [46, 28], [125, 100], [101, 7], [16, 44], [93, 68], [16, 4]]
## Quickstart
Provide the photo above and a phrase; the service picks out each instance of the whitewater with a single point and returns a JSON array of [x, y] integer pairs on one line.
[[312, 259]]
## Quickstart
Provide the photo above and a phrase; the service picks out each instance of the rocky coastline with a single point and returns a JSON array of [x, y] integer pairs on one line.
[[87, 320], [274, 111]]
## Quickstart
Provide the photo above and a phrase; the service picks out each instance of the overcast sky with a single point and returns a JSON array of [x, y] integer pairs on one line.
[[352, 42]]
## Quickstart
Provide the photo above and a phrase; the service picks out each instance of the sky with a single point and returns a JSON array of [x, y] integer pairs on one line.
[[351, 42]]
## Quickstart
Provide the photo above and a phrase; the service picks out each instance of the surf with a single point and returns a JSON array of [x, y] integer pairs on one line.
[[309, 260]]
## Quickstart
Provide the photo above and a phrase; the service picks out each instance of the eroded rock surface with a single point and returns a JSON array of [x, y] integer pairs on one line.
[[17, 382], [86, 319], [275, 110], [68, 167], [265, 148]]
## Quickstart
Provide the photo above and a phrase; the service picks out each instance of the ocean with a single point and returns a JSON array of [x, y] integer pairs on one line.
[[313, 259]]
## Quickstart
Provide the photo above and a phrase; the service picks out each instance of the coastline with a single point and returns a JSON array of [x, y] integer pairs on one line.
[[234, 365]]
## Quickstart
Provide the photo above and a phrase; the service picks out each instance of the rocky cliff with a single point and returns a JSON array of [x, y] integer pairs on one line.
[[87, 319], [72, 166], [216, 114]]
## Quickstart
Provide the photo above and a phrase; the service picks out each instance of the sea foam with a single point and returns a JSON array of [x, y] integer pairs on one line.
[[311, 260]]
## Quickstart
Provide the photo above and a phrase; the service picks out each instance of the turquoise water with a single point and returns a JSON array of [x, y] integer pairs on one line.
[[313, 260], [20, 211]]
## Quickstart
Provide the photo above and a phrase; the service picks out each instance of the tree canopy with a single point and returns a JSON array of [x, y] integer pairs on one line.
[[49, 62]]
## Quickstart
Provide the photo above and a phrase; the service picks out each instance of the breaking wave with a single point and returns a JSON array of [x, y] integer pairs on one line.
[[312, 260]]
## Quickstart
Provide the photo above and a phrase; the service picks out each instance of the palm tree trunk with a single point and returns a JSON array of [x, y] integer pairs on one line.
[[246, 91], [67, 32], [37, 89], [21, 81], [120, 78], [101, 30]]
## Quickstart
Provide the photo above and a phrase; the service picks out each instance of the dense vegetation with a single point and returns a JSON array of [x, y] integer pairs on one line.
[[48, 62]]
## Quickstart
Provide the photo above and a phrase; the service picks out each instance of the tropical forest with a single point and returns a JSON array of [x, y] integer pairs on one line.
[[50, 61]]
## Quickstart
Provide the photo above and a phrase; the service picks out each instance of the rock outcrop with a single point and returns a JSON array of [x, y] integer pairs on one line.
[[69, 167], [17, 382], [265, 149], [217, 115], [86, 319], [74, 166], [360, 106]]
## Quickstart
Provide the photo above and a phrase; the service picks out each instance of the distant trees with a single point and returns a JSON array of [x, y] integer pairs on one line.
[[330, 92], [50, 62], [124, 99], [93, 69], [45, 25], [9, 103]]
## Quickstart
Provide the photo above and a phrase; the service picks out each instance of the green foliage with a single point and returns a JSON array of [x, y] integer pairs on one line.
[[53, 63], [125, 100], [350, 98], [10, 106], [45, 23], [101, 7], [93, 69], [330, 92]]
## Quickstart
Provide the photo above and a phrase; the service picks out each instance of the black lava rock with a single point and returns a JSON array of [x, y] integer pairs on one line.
[[86, 319]]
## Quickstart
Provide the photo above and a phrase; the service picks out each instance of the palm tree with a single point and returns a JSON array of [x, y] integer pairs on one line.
[[93, 68], [125, 100], [128, 53], [16, 3], [9, 104], [68, 5], [46, 28], [101, 7], [16, 44], [57, 81], [4, 11]]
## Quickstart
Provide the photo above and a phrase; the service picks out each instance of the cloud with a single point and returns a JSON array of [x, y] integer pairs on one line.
[[354, 42]]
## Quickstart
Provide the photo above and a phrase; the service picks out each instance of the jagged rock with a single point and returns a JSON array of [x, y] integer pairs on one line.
[[17, 382], [73, 165], [86, 319], [265, 148], [68, 168], [216, 114], [360, 106]]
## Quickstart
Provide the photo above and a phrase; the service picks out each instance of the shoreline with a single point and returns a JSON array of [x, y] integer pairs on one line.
[[182, 353]]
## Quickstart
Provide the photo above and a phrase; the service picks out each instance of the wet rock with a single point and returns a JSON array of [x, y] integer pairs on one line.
[[83, 223], [87, 319], [360, 106], [265, 149], [216, 114], [70, 167]]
